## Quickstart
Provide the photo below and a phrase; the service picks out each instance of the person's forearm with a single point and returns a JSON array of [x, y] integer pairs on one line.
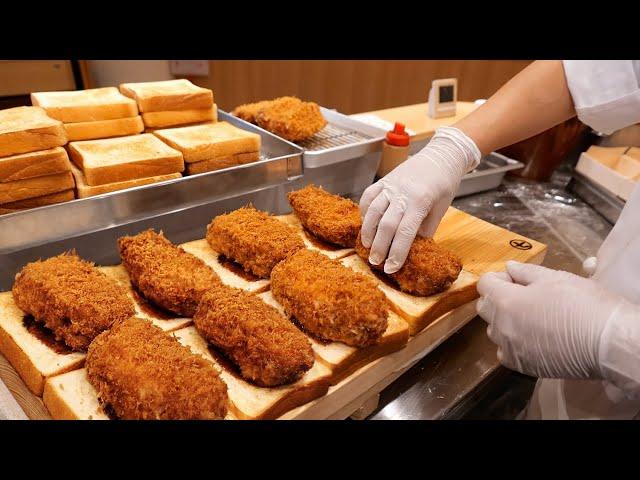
[[531, 102]]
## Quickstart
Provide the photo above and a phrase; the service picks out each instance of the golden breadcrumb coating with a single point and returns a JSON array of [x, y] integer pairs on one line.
[[253, 239], [143, 373], [330, 300], [329, 217], [287, 117], [164, 273], [429, 268], [248, 111], [268, 349], [72, 298], [291, 118]]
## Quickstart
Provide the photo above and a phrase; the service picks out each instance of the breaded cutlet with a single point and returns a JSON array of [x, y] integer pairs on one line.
[[268, 349], [71, 297], [329, 217], [253, 239], [143, 373], [248, 111], [291, 118], [428, 269], [164, 273], [330, 300]]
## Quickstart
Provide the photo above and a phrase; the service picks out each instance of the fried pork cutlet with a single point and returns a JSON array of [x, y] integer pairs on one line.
[[429, 268], [268, 349], [330, 300], [253, 239], [164, 273], [248, 111], [291, 118], [143, 373], [329, 217], [72, 298]]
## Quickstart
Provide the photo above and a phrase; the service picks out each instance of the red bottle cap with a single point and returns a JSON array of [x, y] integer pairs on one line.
[[398, 136]]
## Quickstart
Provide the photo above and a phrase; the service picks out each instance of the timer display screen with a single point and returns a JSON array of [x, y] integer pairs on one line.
[[446, 93]]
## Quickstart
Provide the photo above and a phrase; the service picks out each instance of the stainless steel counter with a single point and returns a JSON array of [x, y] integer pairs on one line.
[[462, 377]]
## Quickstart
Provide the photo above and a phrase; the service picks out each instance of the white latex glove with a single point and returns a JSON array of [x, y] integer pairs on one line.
[[412, 199], [554, 324]]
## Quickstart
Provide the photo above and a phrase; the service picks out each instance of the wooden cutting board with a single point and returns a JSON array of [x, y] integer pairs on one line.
[[483, 248]]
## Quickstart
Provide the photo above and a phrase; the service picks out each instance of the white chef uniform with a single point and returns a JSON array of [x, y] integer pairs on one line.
[[606, 96]]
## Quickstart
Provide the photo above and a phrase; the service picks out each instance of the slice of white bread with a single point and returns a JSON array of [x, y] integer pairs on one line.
[[29, 129], [229, 273], [212, 140], [248, 401], [35, 187], [35, 202], [151, 130], [222, 162], [343, 359], [314, 243], [33, 359], [627, 166], [178, 94], [118, 127], [34, 164], [633, 152], [608, 156], [417, 311], [86, 105], [124, 158], [172, 118], [167, 321], [71, 396], [83, 190]]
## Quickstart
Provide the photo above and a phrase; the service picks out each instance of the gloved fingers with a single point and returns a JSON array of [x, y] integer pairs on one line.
[[402, 241], [433, 218], [527, 273], [369, 196], [589, 266], [386, 231], [495, 285], [372, 218]]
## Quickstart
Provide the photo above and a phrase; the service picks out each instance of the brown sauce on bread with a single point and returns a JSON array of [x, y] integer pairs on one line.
[[237, 269], [321, 244], [46, 336], [151, 309]]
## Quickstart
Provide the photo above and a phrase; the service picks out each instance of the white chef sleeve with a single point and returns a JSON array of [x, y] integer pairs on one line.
[[606, 93], [619, 352]]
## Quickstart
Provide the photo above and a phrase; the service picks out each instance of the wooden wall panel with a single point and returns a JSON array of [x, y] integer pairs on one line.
[[352, 86]]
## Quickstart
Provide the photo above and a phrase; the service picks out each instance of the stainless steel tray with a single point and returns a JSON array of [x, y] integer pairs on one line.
[[488, 174], [604, 202], [281, 162]]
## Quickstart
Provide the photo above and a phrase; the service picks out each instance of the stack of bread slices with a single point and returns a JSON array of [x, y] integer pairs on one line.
[[171, 103], [91, 114], [34, 168], [212, 146]]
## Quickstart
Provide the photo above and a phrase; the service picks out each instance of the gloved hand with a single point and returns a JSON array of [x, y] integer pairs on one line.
[[413, 198], [554, 324]]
